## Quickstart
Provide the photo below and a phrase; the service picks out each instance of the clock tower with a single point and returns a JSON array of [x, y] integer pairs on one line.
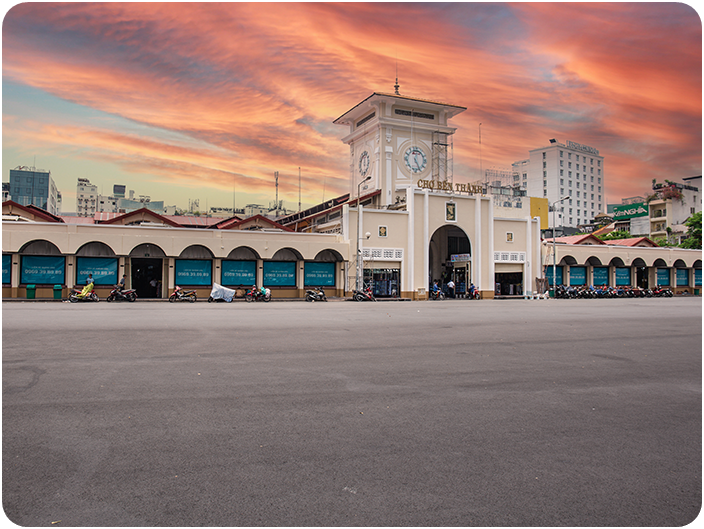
[[395, 141]]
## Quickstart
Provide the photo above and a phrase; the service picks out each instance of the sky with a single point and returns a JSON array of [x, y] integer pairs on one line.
[[207, 101]]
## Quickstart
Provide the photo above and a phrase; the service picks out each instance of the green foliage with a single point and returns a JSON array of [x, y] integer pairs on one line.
[[665, 242], [614, 235], [694, 232]]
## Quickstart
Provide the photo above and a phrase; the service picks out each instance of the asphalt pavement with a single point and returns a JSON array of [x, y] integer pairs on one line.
[[445, 413]]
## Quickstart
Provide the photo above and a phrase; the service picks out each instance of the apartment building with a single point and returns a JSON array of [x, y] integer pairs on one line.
[[570, 170], [29, 185]]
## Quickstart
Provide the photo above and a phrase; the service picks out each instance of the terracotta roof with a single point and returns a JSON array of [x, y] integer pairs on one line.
[[141, 213], [31, 209], [633, 241], [73, 219], [577, 239], [234, 223]]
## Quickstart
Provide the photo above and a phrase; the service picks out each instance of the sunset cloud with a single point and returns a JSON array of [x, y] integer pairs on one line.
[[192, 96]]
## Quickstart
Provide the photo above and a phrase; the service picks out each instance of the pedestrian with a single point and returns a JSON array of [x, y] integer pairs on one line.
[[121, 284], [451, 288], [90, 279]]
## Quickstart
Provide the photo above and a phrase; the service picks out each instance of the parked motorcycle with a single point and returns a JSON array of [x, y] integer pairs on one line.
[[258, 294], [84, 294], [183, 295], [363, 295], [221, 293], [317, 294], [120, 294]]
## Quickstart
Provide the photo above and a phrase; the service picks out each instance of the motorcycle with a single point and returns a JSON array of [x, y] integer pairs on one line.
[[437, 294], [317, 294], [183, 295], [84, 294], [221, 293], [364, 295], [120, 294], [258, 294]]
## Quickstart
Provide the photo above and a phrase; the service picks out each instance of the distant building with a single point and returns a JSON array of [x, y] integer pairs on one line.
[[31, 186], [671, 204], [6, 191], [568, 170], [86, 198]]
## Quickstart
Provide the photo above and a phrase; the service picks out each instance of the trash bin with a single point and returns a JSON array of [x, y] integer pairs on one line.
[[552, 292], [31, 291], [58, 290]]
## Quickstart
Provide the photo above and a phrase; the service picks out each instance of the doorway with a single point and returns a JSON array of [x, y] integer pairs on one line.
[[449, 253], [146, 277]]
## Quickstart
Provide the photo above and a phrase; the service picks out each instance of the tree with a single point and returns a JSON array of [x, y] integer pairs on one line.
[[694, 232], [614, 235]]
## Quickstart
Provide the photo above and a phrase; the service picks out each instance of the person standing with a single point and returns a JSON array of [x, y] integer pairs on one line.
[[451, 288], [90, 279]]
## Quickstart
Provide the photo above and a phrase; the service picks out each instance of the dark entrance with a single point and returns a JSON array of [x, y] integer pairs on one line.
[[447, 244], [145, 271], [509, 284], [642, 277]]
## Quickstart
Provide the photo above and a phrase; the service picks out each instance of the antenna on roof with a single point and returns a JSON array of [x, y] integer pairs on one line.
[[396, 86]]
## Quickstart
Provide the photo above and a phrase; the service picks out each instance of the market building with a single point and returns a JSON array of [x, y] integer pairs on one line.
[[404, 223]]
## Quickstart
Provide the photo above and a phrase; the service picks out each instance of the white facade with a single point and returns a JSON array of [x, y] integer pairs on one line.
[[568, 170], [86, 198]]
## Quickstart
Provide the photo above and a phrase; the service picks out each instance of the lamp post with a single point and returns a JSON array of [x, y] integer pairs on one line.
[[554, 255], [359, 231]]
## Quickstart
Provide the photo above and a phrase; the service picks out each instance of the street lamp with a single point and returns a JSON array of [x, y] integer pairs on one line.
[[554, 255], [359, 231]]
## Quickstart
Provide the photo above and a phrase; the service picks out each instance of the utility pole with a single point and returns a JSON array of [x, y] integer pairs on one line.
[[276, 175]]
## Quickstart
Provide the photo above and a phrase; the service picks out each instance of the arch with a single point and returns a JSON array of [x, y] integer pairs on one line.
[[196, 251], [287, 254], [659, 263], [679, 263], [617, 261], [95, 249], [147, 250], [40, 247], [593, 261], [568, 260], [243, 253], [697, 264], [328, 256], [638, 262]]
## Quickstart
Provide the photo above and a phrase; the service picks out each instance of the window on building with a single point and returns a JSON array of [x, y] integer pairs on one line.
[[599, 200], [577, 168], [591, 161], [561, 154], [570, 201], [569, 183], [592, 188], [562, 182], [569, 165], [599, 189], [545, 183], [562, 172], [545, 192], [599, 180], [545, 164], [562, 191], [570, 192], [598, 162], [525, 176], [592, 196], [584, 186], [569, 155], [570, 214], [544, 154]]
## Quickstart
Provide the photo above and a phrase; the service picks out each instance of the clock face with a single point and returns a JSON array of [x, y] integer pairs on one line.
[[415, 159], [364, 163]]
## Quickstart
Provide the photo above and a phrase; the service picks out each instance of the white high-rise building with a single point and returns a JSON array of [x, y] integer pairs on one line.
[[86, 198], [569, 170]]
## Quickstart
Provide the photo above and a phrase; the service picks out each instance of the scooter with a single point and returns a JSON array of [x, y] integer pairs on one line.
[[256, 294], [84, 294], [183, 295], [363, 295], [120, 294], [437, 294], [317, 294], [221, 293]]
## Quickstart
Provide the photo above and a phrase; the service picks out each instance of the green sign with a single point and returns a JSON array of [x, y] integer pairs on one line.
[[630, 211]]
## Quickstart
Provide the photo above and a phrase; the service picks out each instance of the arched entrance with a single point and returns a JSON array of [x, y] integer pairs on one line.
[[450, 258], [146, 263]]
